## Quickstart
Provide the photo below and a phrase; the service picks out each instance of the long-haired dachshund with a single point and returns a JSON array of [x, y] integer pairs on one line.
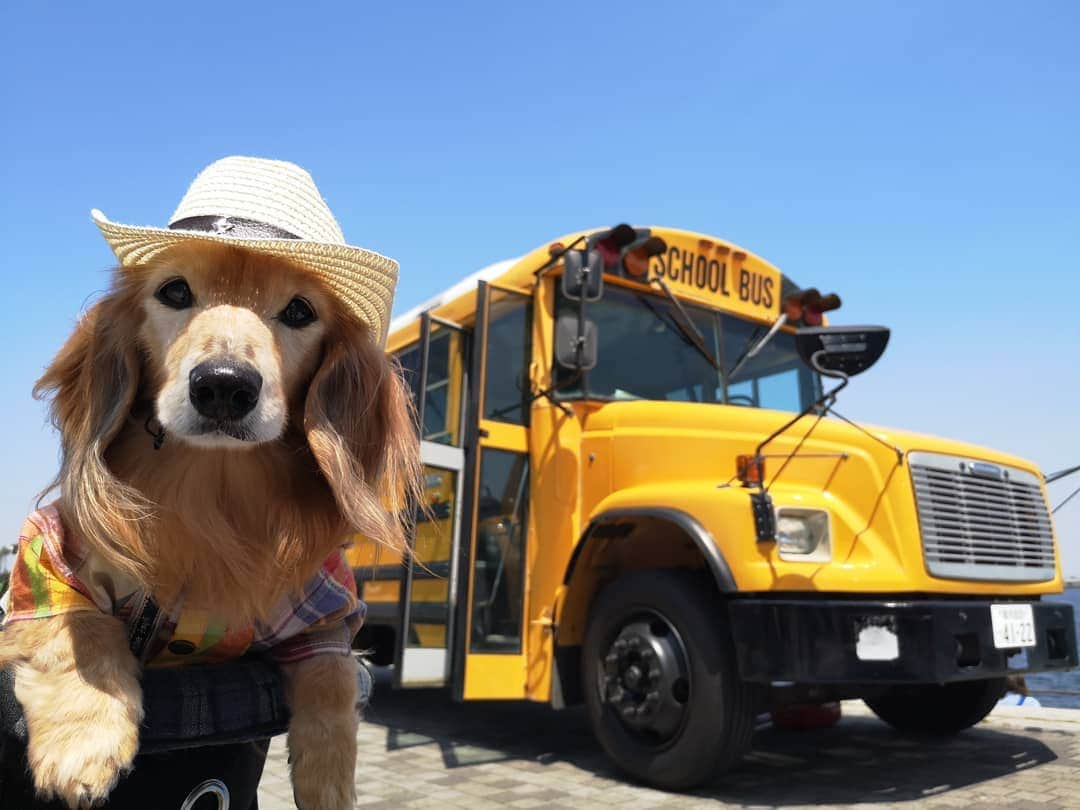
[[226, 424]]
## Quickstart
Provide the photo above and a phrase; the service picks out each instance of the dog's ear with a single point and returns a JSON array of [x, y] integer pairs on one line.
[[92, 383], [360, 426]]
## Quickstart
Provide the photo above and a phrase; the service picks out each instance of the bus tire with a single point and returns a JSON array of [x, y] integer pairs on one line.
[[673, 724], [939, 710]]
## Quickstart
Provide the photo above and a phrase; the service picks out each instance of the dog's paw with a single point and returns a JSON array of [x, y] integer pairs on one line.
[[323, 796], [322, 732], [323, 778], [83, 762]]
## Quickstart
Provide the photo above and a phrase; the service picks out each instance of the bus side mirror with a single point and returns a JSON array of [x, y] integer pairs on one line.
[[576, 342], [583, 275], [841, 351]]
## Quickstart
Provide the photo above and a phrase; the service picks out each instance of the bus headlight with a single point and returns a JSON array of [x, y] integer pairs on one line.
[[803, 534]]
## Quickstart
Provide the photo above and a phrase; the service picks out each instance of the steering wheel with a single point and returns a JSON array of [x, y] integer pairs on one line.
[[740, 399]]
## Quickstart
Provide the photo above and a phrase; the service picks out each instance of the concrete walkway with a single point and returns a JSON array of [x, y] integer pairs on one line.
[[419, 749]]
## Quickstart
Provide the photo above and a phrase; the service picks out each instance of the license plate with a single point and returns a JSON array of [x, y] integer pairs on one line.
[[1013, 625]]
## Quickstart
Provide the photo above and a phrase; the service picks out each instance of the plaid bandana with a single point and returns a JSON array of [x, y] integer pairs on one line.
[[54, 574]]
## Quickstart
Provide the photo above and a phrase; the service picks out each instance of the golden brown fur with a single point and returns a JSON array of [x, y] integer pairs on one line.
[[322, 732], [80, 662], [235, 527], [266, 515]]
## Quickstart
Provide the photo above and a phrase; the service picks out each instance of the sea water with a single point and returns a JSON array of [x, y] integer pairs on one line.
[[1041, 686]]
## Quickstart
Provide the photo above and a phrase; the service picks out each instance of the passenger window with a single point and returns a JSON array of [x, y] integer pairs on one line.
[[509, 339], [410, 366], [442, 406], [499, 563]]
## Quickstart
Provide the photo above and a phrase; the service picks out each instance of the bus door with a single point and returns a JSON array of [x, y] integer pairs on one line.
[[426, 599], [490, 660]]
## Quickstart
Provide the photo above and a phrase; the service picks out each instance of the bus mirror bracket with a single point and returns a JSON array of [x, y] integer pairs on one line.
[[576, 337], [583, 275], [576, 342], [764, 516]]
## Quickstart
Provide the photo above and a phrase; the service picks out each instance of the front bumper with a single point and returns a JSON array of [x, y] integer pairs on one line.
[[878, 641]]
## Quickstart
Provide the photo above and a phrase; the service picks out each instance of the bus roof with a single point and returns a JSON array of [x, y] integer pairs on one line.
[[463, 287], [696, 266]]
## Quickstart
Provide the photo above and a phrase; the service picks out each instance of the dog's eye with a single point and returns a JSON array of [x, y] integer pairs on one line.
[[175, 294], [297, 313]]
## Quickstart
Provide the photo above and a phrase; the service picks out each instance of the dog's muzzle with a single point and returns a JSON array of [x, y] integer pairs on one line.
[[224, 390]]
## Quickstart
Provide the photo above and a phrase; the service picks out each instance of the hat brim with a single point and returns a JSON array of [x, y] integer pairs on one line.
[[364, 280]]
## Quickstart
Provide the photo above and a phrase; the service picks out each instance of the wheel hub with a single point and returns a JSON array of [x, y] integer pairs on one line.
[[644, 678]]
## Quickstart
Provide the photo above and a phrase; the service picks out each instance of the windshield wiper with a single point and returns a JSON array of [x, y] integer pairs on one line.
[[805, 303], [753, 345], [686, 326]]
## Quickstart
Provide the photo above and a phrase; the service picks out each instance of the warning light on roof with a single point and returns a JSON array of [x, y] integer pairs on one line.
[[809, 305], [635, 260], [611, 244], [626, 251]]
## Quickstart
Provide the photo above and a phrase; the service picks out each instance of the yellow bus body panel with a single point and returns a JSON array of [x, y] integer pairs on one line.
[[671, 455]]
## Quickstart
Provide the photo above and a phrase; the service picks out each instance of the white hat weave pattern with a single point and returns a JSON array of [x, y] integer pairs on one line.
[[270, 207]]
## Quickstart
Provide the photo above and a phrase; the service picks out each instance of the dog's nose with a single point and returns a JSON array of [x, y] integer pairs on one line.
[[223, 390]]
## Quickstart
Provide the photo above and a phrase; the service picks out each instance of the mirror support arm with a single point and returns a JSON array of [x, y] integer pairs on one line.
[[553, 259], [1057, 476], [548, 394], [580, 348], [826, 401]]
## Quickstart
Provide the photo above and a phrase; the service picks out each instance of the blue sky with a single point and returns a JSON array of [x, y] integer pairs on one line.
[[920, 158]]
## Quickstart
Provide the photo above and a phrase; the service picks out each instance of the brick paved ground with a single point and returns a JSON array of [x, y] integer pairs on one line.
[[419, 749]]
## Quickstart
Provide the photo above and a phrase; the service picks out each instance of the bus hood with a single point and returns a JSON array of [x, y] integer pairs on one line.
[[743, 428], [683, 455]]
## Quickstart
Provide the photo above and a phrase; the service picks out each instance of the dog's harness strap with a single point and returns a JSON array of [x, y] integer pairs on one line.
[[142, 626], [235, 227]]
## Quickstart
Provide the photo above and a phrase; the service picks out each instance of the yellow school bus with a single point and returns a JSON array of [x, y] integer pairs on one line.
[[641, 496]]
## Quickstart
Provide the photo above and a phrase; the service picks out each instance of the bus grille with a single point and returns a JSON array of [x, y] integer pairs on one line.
[[981, 521]]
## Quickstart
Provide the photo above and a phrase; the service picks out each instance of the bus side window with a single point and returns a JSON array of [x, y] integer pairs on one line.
[[442, 408], [509, 349], [410, 366]]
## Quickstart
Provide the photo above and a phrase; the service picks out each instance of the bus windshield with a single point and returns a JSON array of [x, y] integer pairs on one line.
[[643, 354]]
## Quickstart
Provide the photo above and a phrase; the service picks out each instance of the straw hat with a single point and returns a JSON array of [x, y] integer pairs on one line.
[[271, 207]]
